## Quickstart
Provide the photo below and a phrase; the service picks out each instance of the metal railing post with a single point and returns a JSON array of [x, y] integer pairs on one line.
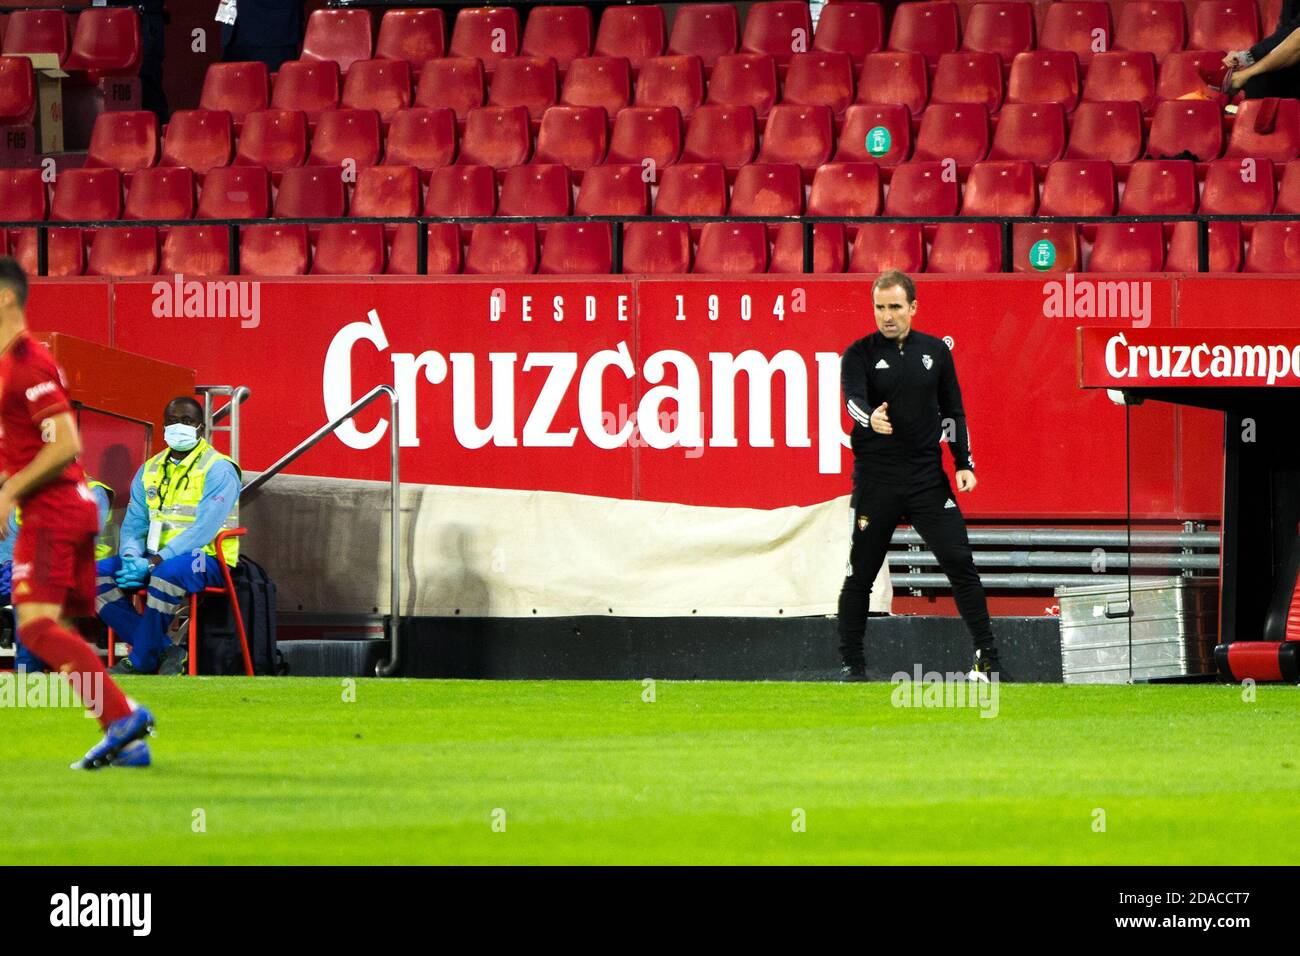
[[1008, 265], [1202, 245], [809, 257], [422, 249], [232, 248], [42, 251], [616, 247]]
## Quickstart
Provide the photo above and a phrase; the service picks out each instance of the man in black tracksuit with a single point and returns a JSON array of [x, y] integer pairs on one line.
[[901, 390]]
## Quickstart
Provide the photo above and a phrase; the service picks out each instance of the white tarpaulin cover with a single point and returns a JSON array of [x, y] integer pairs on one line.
[[484, 552]]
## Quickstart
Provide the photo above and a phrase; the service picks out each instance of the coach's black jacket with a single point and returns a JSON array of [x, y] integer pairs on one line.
[[919, 381]]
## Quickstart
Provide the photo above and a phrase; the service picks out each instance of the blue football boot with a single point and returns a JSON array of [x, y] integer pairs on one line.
[[134, 726]]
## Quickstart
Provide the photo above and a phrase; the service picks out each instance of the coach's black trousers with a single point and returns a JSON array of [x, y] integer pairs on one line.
[[933, 512]]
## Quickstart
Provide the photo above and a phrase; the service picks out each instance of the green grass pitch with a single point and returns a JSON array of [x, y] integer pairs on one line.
[[415, 771]]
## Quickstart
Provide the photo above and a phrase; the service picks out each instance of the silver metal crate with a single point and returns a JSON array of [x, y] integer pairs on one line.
[[1174, 620]]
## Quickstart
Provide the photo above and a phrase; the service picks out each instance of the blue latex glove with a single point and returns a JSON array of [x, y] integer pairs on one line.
[[6, 577], [133, 573]]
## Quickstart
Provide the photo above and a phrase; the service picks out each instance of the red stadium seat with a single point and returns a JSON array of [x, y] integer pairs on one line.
[[235, 192], [535, 190], [671, 81], [856, 137], [613, 191], [721, 134], [959, 133], [1032, 131], [1006, 29], [489, 33], [968, 78], [1154, 26], [349, 249], [853, 28], [819, 79], [423, 138], [763, 189], [273, 250], [496, 136], [499, 248], [238, 88], [920, 189], [1158, 187], [1275, 247], [1225, 247], [1186, 125], [894, 77], [887, 245], [798, 134], [706, 30], [525, 81], [1127, 247], [1180, 73], [453, 82], [346, 135], [744, 79], [577, 248], [105, 42], [636, 33], [38, 31], [87, 194], [1000, 189], [1227, 192], [1281, 146], [387, 191], [966, 247], [1078, 26], [461, 191], [1045, 76], [416, 36], [442, 258], [130, 251], [311, 191], [845, 189], [126, 140], [656, 248], [781, 28], [339, 35], [198, 139], [1224, 25], [787, 249], [17, 91], [1063, 236], [574, 136], [927, 28], [1079, 187], [1111, 131], [22, 195], [692, 189], [1288, 193], [604, 81], [196, 251], [381, 85], [560, 32], [731, 248], [164, 192], [1114, 77], [308, 85], [646, 132], [66, 252]]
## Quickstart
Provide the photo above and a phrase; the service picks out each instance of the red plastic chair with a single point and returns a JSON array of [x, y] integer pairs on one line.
[[17, 91], [1281, 146], [1110, 131], [895, 77], [721, 134], [1180, 73], [1225, 247], [535, 190], [927, 28], [968, 78], [452, 82], [308, 85], [343, 36], [779, 28], [416, 36], [237, 88], [1006, 29], [820, 79], [798, 134], [853, 28], [105, 42], [921, 189], [574, 136], [273, 139], [845, 189], [1288, 193], [228, 589], [745, 79], [763, 189], [887, 245], [613, 191], [646, 132], [966, 248], [1158, 27], [496, 136], [423, 138], [671, 81], [1072, 26], [859, 122], [1064, 237], [604, 81], [123, 252], [1000, 189], [200, 140], [577, 248], [562, 33], [530, 82], [346, 134], [349, 249], [125, 140], [706, 30], [656, 248], [957, 132], [196, 251], [1274, 248], [1045, 76], [634, 32], [1224, 25], [1128, 247], [236, 192], [162, 192], [499, 248], [488, 33], [732, 248], [1032, 131], [1186, 125], [1130, 75]]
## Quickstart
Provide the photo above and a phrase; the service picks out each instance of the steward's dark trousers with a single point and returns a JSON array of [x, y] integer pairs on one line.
[[934, 514]]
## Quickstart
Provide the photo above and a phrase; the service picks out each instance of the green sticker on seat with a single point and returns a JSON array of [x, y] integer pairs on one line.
[[1042, 254], [878, 141]]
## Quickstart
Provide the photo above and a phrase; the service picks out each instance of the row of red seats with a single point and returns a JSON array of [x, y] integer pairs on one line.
[[98, 42]]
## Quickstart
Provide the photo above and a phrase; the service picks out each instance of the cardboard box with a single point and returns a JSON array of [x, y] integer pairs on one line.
[[49, 101]]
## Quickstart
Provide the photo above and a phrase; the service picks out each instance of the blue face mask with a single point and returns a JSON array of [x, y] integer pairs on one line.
[[181, 437]]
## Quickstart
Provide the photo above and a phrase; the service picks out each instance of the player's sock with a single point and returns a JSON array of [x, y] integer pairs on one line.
[[67, 651]]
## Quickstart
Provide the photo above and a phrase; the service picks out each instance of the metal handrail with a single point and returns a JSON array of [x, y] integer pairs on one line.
[[389, 667], [238, 395]]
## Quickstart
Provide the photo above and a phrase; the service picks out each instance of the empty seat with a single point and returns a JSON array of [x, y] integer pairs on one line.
[[22, 195], [763, 189], [1154, 26], [920, 189], [894, 77], [845, 189], [613, 191], [525, 81], [1006, 29], [1111, 131], [577, 248], [1063, 247], [1045, 76], [461, 191], [1113, 77], [385, 191], [1158, 187], [1000, 189], [574, 136], [198, 139], [744, 79], [535, 190], [196, 251], [887, 245], [1079, 187], [968, 78], [1281, 145], [423, 138], [880, 134], [235, 192], [1180, 72], [163, 192], [308, 85], [498, 248], [959, 133], [1226, 192], [927, 28], [1078, 26], [560, 32], [238, 88], [604, 81], [1224, 248], [853, 28], [380, 85], [1032, 131], [1224, 25], [126, 140], [346, 136], [339, 35], [798, 134], [1192, 126], [1127, 247], [819, 79], [780, 28], [273, 250], [787, 249], [721, 134], [37, 31], [124, 252], [87, 194], [453, 82], [105, 42], [1275, 247], [17, 91], [311, 192], [706, 30], [489, 33], [671, 81], [644, 133], [966, 248], [416, 36], [496, 136], [1288, 193], [355, 248], [656, 248], [636, 33], [692, 189], [731, 248]]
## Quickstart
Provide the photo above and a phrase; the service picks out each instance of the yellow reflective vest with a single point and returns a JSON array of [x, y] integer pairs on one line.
[[173, 490]]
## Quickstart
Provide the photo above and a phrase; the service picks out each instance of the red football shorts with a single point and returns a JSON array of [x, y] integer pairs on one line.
[[55, 566]]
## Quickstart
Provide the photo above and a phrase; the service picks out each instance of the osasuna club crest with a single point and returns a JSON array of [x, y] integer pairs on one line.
[[863, 520], [927, 362]]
